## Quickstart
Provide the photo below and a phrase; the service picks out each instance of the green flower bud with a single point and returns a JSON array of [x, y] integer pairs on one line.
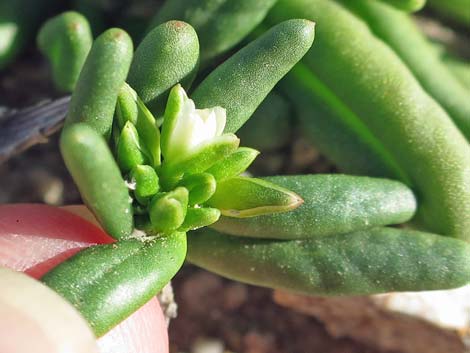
[[146, 182], [168, 210], [199, 217], [131, 108], [201, 187], [129, 151], [126, 107], [241, 197]]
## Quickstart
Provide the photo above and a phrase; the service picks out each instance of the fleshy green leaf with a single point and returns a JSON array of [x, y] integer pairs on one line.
[[126, 107], [168, 210], [202, 159], [131, 108], [146, 182], [201, 187], [107, 283], [129, 151], [247, 197], [333, 204], [175, 103], [199, 217], [234, 164], [377, 260]]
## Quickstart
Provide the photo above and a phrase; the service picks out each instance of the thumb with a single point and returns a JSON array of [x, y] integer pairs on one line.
[[41, 320], [35, 238]]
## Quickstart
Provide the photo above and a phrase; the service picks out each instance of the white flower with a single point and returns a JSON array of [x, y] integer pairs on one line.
[[186, 128]]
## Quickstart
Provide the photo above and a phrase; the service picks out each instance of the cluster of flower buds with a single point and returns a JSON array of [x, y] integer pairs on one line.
[[185, 173]]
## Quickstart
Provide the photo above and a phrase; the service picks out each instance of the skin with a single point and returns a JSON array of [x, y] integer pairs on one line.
[[387, 98], [35, 238], [63, 331]]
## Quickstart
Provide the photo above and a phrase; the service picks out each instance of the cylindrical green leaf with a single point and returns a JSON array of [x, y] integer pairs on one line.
[[220, 24], [456, 10], [107, 283], [460, 69], [264, 61], [103, 74], [335, 129], [234, 164], [377, 86], [98, 178], [269, 128], [378, 260], [66, 40], [406, 5], [333, 204], [242, 197], [168, 55], [18, 22], [403, 35]]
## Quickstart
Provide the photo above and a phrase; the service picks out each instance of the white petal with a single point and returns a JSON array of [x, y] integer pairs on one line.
[[221, 118], [198, 131]]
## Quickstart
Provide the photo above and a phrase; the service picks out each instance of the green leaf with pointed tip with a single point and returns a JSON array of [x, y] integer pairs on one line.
[[234, 164], [202, 159], [168, 210], [175, 103], [201, 187], [126, 106], [107, 283], [199, 217], [247, 197], [129, 151], [146, 182], [333, 204], [144, 123], [149, 133]]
